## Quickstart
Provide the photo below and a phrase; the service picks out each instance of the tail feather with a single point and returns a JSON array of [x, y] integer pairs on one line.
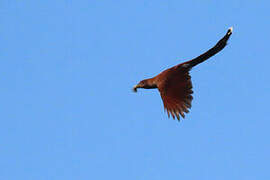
[[211, 52]]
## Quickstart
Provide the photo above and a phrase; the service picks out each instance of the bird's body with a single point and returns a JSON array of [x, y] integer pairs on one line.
[[174, 84]]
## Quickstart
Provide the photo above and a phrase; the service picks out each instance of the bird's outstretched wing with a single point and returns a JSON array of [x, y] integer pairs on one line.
[[176, 93]]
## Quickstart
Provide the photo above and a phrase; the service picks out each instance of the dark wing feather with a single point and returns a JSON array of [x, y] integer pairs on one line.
[[176, 92]]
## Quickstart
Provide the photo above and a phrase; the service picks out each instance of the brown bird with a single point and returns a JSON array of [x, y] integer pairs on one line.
[[174, 84]]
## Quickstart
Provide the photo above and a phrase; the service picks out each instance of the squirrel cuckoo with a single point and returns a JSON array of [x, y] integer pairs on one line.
[[174, 84]]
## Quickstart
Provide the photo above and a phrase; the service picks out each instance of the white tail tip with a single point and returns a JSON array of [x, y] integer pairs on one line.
[[231, 29]]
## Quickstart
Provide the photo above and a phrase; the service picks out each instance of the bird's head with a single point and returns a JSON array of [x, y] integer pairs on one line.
[[141, 84], [146, 84]]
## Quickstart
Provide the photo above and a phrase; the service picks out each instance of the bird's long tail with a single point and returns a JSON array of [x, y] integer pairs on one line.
[[211, 52]]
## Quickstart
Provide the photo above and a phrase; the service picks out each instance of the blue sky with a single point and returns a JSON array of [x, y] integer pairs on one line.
[[68, 112]]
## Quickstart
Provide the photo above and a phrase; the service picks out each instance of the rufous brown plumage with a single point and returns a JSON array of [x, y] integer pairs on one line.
[[174, 84]]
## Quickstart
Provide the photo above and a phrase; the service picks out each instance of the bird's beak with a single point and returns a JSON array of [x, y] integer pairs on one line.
[[135, 88]]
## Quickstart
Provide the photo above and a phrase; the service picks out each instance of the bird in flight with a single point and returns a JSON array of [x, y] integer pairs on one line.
[[174, 84]]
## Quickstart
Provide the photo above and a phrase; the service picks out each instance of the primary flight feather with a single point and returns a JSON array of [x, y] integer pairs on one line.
[[174, 84]]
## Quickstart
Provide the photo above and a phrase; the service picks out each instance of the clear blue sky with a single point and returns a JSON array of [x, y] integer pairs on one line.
[[67, 110]]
